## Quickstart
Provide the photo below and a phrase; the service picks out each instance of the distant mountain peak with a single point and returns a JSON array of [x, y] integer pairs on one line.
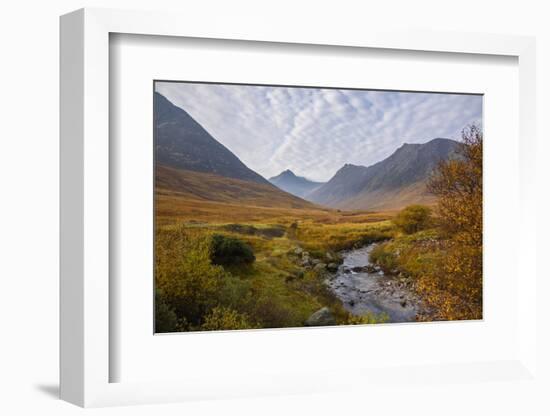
[[296, 185], [287, 172], [351, 166]]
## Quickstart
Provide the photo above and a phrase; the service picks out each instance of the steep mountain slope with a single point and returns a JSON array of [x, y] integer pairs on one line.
[[182, 143], [295, 185], [391, 183], [199, 186]]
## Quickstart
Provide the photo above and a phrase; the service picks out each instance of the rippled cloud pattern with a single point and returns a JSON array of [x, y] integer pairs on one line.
[[315, 131]]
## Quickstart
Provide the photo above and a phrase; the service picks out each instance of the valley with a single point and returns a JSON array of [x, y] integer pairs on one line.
[[278, 236], [234, 250]]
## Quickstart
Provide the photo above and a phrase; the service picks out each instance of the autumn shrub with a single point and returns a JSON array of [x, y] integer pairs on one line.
[[453, 290], [222, 318], [230, 251], [413, 218], [367, 319], [272, 312], [190, 284]]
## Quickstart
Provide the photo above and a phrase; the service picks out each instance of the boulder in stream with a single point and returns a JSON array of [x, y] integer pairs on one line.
[[322, 317]]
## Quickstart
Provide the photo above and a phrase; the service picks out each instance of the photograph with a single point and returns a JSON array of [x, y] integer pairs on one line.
[[279, 206]]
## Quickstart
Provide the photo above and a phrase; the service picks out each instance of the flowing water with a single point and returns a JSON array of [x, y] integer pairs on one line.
[[363, 291]]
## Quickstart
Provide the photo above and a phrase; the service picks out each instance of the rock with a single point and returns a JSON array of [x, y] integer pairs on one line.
[[306, 262], [329, 256], [332, 267], [315, 262], [404, 303], [320, 267], [346, 270], [298, 251], [305, 254], [370, 268], [322, 317], [357, 269], [351, 302]]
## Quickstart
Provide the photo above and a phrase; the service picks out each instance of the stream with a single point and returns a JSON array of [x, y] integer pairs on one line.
[[362, 291]]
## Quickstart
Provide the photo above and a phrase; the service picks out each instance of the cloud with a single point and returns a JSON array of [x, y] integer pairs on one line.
[[315, 131]]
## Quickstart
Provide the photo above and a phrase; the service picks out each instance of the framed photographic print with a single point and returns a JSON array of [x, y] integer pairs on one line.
[[238, 209], [286, 206]]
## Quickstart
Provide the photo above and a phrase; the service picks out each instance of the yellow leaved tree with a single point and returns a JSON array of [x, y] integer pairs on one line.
[[455, 290]]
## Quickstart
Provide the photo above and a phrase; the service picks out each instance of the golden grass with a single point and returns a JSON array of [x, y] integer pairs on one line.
[[211, 187], [173, 207]]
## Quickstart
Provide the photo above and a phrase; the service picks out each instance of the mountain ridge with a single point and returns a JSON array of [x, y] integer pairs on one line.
[[182, 143], [404, 172]]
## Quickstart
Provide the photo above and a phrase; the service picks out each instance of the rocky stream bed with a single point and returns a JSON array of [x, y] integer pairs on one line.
[[362, 288]]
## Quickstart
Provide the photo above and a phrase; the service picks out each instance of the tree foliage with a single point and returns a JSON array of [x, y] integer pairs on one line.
[[458, 184], [455, 289], [166, 319]]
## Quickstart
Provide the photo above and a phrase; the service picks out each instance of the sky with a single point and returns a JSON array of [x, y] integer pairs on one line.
[[314, 131]]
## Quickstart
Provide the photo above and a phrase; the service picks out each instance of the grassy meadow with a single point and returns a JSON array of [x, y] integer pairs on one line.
[[274, 290]]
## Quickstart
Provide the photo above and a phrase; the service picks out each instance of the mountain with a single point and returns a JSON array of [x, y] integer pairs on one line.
[[191, 165], [295, 185], [392, 183], [182, 143]]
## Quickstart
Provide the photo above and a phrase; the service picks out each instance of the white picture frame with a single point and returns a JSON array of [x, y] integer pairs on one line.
[[85, 214]]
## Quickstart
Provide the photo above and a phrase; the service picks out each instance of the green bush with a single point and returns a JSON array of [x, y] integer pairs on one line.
[[230, 251], [413, 218], [166, 319]]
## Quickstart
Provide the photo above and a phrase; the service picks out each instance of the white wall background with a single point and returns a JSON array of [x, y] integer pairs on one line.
[[29, 205]]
